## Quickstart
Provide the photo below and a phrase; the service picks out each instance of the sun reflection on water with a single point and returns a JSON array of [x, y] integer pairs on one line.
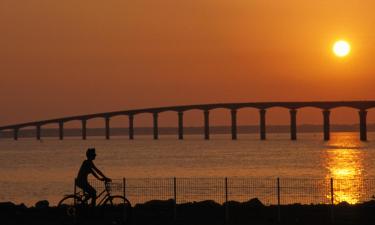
[[345, 165]]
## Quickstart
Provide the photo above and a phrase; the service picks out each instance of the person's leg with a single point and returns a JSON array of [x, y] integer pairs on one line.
[[92, 193]]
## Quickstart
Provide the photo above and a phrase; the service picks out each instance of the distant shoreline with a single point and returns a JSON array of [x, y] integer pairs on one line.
[[249, 129]]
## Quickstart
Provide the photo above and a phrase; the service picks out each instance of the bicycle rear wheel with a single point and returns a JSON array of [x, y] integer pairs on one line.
[[69, 200]]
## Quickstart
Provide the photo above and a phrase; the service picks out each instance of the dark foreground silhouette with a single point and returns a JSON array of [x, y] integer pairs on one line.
[[196, 213]]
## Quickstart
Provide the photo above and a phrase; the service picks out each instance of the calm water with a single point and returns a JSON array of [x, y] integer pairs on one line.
[[32, 170]]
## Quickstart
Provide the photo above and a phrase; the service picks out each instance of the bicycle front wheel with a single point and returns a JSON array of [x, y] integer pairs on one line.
[[117, 200]]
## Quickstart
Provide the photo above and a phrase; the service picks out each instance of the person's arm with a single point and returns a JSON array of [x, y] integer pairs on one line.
[[96, 170], [95, 175]]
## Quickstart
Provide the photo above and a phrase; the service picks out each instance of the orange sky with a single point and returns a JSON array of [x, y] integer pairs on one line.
[[61, 58]]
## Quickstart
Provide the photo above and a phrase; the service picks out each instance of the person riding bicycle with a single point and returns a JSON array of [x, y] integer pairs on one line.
[[87, 168]]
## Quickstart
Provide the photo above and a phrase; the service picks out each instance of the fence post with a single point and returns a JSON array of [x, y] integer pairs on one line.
[[174, 198], [226, 200], [124, 187], [75, 202], [124, 217], [278, 201], [75, 192], [332, 202]]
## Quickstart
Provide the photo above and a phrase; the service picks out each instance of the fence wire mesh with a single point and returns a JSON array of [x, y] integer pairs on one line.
[[244, 189], [199, 189], [140, 190], [269, 191], [305, 191]]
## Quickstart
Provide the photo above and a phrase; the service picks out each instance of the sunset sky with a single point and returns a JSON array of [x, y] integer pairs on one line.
[[62, 58]]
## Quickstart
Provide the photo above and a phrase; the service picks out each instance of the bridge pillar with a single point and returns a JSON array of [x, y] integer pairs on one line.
[[234, 123], [61, 130], [107, 128], [180, 125], [363, 124], [38, 132], [293, 124], [326, 124], [262, 114], [131, 127], [84, 122], [156, 130], [15, 134], [206, 114]]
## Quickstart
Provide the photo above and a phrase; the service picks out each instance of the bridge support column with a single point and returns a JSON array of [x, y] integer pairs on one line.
[[15, 134], [363, 125], [156, 130], [293, 124], [84, 122], [206, 114], [107, 128], [262, 114], [61, 130], [234, 123], [131, 127], [326, 124], [180, 125], [38, 132]]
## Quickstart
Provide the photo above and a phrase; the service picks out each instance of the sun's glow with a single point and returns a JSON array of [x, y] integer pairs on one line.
[[341, 48], [345, 164]]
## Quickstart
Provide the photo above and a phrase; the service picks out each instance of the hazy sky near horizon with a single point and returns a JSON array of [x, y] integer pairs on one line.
[[61, 58]]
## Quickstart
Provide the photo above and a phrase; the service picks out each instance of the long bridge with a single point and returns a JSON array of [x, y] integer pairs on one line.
[[325, 106]]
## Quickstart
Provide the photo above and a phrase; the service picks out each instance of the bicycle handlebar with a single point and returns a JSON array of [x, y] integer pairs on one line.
[[107, 185]]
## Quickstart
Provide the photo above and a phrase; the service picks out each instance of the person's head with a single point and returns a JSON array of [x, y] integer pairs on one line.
[[90, 153]]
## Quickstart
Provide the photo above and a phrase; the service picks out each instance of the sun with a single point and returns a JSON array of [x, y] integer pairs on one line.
[[341, 48]]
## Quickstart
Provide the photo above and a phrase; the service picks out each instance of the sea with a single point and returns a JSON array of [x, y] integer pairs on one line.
[[32, 170]]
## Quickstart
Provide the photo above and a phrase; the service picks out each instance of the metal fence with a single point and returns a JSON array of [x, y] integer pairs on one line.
[[278, 191]]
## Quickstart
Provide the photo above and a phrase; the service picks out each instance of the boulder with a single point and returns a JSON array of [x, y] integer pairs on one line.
[[42, 204], [7, 205], [255, 202]]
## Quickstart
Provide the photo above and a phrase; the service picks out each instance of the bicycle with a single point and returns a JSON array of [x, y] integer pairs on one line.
[[104, 198]]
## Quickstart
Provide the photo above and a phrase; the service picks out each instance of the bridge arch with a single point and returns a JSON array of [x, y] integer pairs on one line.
[[220, 117], [168, 121], [350, 116], [248, 120], [69, 125], [188, 119]]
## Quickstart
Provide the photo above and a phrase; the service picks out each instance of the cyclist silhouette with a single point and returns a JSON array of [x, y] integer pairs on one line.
[[87, 168]]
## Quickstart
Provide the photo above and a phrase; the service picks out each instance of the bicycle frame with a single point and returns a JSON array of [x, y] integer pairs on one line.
[[106, 196], [106, 190]]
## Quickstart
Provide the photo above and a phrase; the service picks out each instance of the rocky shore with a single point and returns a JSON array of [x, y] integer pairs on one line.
[[195, 213]]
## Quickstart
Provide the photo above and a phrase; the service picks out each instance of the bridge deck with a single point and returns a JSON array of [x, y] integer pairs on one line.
[[325, 105]]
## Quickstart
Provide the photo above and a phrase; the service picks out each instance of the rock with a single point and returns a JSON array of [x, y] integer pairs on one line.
[[207, 203], [7, 205], [21, 206], [343, 203], [42, 204], [232, 203], [255, 202], [369, 203], [159, 203]]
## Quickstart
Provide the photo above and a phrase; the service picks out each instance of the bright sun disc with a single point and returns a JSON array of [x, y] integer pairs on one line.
[[341, 48]]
